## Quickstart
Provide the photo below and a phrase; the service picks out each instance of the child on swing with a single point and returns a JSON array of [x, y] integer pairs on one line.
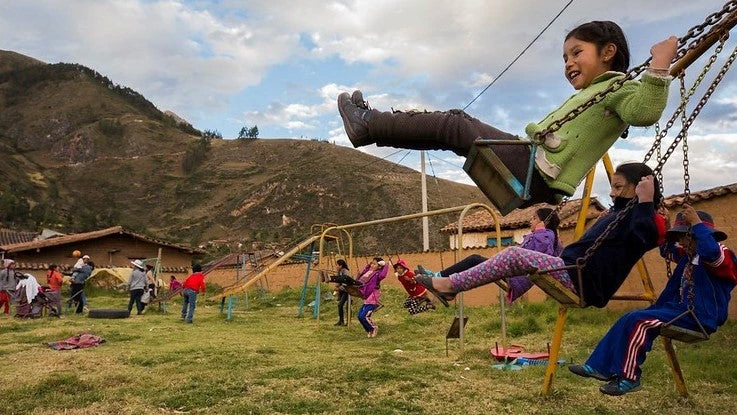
[[595, 55], [543, 238], [418, 300], [703, 279], [638, 231], [370, 278]]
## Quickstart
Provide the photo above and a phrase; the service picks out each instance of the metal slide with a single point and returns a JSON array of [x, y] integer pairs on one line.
[[244, 286]]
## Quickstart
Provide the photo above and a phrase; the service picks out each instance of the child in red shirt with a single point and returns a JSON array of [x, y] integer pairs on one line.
[[418, 300]]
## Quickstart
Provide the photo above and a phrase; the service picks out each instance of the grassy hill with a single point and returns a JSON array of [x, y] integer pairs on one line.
[[80, 153]]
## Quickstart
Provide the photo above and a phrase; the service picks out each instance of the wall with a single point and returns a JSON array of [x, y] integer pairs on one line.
[[725, 218], [113, 250]]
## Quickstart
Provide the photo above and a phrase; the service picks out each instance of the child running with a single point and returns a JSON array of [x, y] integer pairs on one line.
[[595, 55], [704, 278]]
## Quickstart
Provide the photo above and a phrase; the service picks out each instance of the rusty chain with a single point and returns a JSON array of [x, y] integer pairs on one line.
[[695, 33], [581, 262]]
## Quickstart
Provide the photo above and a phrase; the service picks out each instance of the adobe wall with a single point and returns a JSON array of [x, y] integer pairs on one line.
[[724, 215], [113, 250]]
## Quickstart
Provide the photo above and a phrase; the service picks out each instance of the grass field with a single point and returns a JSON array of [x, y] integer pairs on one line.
[[268, 361]]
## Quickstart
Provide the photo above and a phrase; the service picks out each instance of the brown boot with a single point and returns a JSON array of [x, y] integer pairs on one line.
[[355, 120]]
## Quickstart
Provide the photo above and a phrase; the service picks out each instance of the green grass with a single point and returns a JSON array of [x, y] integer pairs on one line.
[[265, 360]]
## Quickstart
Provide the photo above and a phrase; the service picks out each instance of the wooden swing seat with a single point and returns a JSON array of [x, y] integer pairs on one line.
[[555, 289], [683, 335], [494, 179]]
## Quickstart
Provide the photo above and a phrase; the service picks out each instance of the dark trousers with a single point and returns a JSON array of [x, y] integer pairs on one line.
[[342, 300], [77, 293], [456, 131], [136, 298], [462, 265]]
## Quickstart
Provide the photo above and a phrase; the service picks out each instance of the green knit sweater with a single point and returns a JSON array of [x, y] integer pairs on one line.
[[569, 153]]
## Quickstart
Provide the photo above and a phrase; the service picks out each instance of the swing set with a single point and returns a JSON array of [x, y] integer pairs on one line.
[[507, 193]]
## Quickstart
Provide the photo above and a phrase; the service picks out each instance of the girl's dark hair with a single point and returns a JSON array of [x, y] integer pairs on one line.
[[341, 263], [196, 267], [551, 220], [634, 171], [602, 33]]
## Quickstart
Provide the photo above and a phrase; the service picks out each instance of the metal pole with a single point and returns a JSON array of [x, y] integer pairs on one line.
[[425, 221]]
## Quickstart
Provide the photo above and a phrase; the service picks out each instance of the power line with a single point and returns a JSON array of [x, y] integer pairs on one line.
[[447, 162], [520, 54]]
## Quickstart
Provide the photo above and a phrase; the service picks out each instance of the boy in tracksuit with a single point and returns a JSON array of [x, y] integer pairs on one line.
[[713, 274]]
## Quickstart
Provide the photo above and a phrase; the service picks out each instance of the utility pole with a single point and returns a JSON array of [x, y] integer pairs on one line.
[[425, 223]]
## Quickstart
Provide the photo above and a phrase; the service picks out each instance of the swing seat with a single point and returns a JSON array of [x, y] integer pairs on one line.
[[494, 179], [683, 335], [555, 289]]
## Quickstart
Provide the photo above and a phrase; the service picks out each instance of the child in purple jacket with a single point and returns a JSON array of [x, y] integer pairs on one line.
[[543, 238], [370, 278]]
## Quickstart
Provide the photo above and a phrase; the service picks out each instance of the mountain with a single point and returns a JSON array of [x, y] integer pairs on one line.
[[80, 153]]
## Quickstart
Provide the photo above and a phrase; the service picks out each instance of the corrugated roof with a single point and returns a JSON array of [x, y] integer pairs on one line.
[[86, 236], [679, 199], [519, 218]]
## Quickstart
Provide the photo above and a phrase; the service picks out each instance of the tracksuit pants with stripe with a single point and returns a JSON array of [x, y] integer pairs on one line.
[[622, 350]]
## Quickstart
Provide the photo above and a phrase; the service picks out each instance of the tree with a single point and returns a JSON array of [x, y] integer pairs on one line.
[[253, 132], [212, 134], [248, 133]]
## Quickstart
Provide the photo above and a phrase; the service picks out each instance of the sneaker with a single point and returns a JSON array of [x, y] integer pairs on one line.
[[423, 271], [587, 372], [619, 387], [355, 120]]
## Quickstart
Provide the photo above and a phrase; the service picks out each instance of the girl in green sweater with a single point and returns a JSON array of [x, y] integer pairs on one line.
[[595, 55]]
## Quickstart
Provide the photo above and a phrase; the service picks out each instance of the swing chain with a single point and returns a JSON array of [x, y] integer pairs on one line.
[[581, 262], [696, 111], [695, 32], [661, 134]]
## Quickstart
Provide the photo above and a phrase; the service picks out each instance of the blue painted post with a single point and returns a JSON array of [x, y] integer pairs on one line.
[[304, 285], [316, 308], [230, 307]]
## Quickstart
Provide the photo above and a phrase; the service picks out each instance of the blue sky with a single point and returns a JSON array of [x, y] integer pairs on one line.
[[280, 64]]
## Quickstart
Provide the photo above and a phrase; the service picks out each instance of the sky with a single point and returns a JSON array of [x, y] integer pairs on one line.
[[279, 65]]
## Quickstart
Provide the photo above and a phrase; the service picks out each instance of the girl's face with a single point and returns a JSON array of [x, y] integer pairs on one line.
[[621, 187], [373, 264], [534, 221], [584, 62]]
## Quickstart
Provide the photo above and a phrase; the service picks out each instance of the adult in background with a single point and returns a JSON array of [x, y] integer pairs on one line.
[[78, 280], [192, 285], [342, 293], [8, 281], [54, 281], [136, 286]]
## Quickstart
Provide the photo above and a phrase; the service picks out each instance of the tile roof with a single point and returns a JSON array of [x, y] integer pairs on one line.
[[679, 199], [8, 237], [77, 237], [232, 260], [519, 218]]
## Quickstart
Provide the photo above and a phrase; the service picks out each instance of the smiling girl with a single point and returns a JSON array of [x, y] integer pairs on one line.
[[595, 55]]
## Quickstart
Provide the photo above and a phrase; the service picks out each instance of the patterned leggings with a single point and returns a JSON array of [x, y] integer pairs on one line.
[[510, 262]]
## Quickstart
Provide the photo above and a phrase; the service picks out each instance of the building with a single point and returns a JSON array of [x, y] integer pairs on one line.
[[479, 230], [111, 247]]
